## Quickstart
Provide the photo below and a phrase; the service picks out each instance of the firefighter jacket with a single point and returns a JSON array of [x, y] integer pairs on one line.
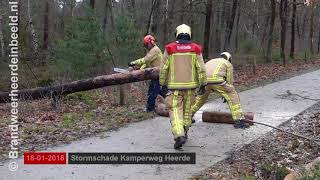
[[219, 70], [182, 66], [152, 59]]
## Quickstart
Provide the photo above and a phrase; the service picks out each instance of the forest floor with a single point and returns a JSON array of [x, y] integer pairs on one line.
[[90, 113], [273, 155]]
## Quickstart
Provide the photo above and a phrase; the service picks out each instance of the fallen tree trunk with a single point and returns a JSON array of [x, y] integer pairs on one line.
[[84, 85], [223, 117]]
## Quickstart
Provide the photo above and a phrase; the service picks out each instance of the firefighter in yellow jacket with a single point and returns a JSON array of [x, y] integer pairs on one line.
[[182, 71], [152, 59], [220, 80]]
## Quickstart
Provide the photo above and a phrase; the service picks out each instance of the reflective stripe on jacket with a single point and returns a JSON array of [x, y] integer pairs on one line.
[[219, 70], [152, 59], [182, 66]]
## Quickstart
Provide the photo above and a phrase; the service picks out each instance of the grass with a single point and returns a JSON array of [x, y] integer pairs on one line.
[[85, 97], [69, 119]]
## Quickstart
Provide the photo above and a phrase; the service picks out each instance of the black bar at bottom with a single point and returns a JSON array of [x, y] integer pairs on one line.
[[131, 158]]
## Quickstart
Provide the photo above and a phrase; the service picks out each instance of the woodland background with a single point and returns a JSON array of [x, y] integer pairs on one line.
[[64, 40]]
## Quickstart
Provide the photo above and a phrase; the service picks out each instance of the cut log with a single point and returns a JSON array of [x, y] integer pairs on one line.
[[84, 85], [161, 108], [223, 117], [211, 117]]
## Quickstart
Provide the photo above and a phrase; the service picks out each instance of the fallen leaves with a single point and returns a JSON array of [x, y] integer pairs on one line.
[[274, 155]]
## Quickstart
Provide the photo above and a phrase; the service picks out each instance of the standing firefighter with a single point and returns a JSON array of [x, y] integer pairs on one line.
[[152, 59], [220, 79], [182, 71]]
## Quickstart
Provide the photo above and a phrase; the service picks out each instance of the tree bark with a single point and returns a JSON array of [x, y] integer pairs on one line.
[[34, 39], [190, 14], [165, 24], [237, 29], [293, 23], [223, 117], [313, 7], [230, 23], [283, 18], [84, 85], [150, 20], [3, 53], [46, 26], [270, 34], [218, 27], [319, 42], [92, 4], [108, 15], [206, 39]]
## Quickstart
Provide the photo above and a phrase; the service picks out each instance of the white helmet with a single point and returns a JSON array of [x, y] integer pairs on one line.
[[183, 29], [226, 56]]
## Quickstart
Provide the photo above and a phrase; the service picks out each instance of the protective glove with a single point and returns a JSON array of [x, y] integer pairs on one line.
[[223, 100], [202, 90], [240, 124], [131, 64], [163, 91]]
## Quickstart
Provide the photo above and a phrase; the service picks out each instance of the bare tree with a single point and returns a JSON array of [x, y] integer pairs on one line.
[[34, 39], [150, 19], [3, 53], [108, 15], [236, 47], [46, 26], [165, 24], [230, 23], [92, 4], [206, 39], [283, 21], [312, 14], [271, 27], [293, 21]]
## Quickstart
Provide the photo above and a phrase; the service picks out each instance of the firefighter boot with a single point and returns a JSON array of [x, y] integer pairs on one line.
[[179, 142]]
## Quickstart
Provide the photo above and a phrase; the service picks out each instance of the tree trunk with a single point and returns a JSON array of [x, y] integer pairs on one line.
[[150, 20], [84, 85], [313, 8], [319, 38], [165, 24], [46, 26], [283, 18], [190, 14], [34, 39], [270, 34], [3, 53], [206, 39], [319, 41], [230, 23], [218, 27], [237, 29], [92, 4], [293, 23], [108, 15]]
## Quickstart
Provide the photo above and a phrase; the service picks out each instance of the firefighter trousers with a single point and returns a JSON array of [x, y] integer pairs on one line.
[[228, 92], [179, 105]]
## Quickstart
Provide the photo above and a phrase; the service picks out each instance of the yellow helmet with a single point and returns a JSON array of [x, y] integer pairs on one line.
[[183, 29], [226, 55]]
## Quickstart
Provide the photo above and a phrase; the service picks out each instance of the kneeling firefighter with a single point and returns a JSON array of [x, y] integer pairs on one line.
[[153, 58], [220, 80], [182, 71]]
